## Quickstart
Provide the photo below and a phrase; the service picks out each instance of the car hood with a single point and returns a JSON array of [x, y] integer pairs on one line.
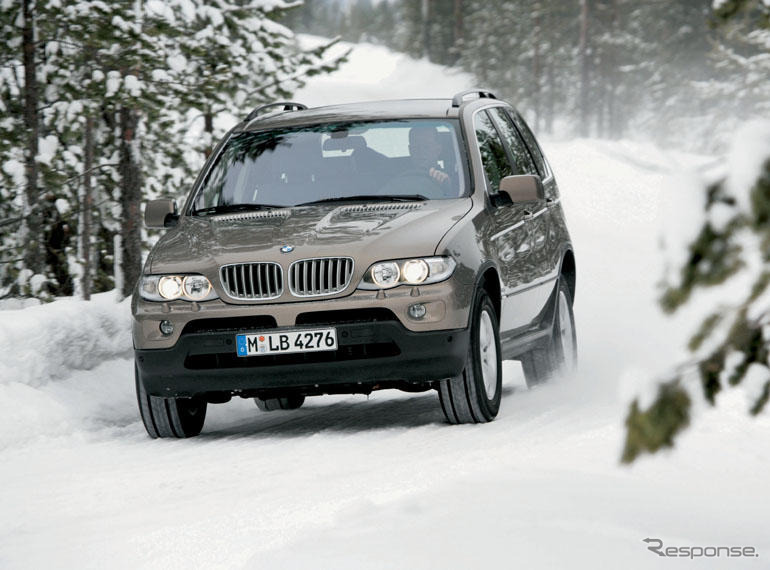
[[366, 232]]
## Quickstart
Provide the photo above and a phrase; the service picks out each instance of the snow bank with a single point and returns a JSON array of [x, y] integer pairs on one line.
[[38, 344], [59, 367]]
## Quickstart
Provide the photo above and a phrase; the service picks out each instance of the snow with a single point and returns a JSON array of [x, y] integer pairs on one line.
[[748, 153], [160, 9], [373, 72], [754, 382], [382, 482], [40, 342], [132, 85], [113, 83], [47, 148], [62, 205], [14, 303], [177, 62], [14, 169], [36, 283]]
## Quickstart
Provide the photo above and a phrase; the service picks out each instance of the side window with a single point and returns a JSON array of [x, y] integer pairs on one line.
[[496, 165], [516, 147], [534, 148]]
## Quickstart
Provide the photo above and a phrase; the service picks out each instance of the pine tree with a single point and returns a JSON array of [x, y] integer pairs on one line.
[[732, 345], [117, 84]]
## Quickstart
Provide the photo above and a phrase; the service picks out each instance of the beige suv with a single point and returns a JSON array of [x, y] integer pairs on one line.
[[407, 244]]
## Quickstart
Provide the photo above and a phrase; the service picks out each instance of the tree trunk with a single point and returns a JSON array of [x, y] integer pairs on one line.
[[86, 208], [130, 197], [208, 128], [599, 108], [550, 78], [32, 230], [536, 69], [425, 27], [458, 30], [584, 69], [613, 117]]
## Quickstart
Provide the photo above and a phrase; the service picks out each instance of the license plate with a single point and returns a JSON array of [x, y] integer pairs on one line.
[[313, 340]]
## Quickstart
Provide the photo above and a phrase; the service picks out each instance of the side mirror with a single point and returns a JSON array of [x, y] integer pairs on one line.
[[160, 214], [522, 188]]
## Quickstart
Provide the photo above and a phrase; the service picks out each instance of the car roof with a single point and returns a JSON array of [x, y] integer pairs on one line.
[[360, 111]]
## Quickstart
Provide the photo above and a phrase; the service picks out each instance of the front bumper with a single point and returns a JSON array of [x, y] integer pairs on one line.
[[368, 354], [447, 305]]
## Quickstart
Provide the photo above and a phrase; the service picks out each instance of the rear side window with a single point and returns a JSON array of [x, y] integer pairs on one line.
[[493, 156], [519, 153], [529, 138]]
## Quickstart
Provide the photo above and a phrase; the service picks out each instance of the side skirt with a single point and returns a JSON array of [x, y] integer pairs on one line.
[[520, 341]]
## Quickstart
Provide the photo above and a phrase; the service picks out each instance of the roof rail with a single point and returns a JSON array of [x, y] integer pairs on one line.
[[457, 100], [287, 106]]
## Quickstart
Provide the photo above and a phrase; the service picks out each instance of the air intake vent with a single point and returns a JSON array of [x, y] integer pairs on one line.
[[322, 276], [252, 281]]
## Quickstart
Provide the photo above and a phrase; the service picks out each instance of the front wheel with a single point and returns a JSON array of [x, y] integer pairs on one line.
[[169, 417], [559, 356], [474, 395]]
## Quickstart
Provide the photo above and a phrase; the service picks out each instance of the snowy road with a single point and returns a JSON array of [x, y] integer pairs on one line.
[[382, 482]]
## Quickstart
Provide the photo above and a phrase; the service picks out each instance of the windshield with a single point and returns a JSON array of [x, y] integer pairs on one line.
[[380, 160]]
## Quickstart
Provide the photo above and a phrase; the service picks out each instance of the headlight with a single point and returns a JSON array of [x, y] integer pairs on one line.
[[196, 287], [171, 287], [415, 271], [418, 271], [386, 274]]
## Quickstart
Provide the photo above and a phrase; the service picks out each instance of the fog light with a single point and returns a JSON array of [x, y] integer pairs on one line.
[[417, 311], [166, 327]]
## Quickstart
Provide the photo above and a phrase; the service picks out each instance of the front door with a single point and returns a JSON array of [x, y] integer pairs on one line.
[[506, 233]]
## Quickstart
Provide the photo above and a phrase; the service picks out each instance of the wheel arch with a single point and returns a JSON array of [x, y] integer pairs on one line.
[[489, 280], [569, 271]]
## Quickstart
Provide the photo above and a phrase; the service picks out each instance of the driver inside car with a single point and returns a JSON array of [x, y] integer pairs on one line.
[[425, 150]]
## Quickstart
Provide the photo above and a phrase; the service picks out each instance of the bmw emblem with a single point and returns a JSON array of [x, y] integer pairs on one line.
[[287, 249]]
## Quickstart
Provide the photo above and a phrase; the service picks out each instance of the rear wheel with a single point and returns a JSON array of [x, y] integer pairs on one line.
[[286, 403], [169, 417], [474, 395], [559, 356]]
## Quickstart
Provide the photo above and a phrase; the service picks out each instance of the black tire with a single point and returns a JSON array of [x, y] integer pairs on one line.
[[169, 417], [467, 399], [292, 402], [555, 358]]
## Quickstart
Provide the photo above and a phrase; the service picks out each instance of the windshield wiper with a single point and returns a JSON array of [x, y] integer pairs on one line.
[[229, 208], [369, 198]]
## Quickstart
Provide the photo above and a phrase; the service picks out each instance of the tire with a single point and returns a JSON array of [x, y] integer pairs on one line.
[[169, 417], [559, 356], [474, 395], [292, 402]]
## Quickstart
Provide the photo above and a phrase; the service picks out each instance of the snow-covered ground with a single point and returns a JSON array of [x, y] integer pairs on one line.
[[383, 482]]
